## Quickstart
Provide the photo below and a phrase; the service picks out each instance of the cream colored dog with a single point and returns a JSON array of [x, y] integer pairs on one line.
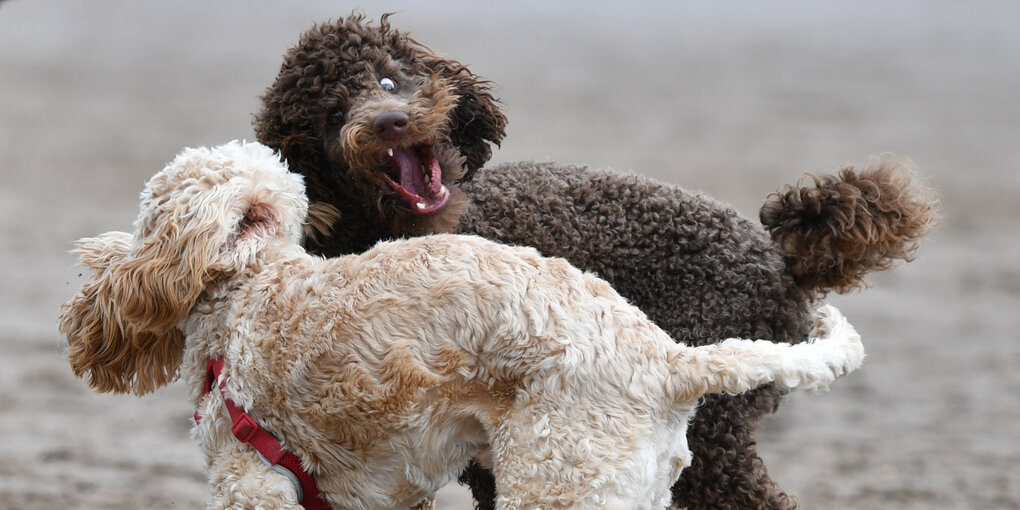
[[386, 372]]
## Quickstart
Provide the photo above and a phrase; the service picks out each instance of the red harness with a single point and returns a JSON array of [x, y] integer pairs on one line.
[[247, 430]]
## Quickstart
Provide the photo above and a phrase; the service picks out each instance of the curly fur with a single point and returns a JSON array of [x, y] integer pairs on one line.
[[849, 224], [319, 114], [386, 372], [694, 265]]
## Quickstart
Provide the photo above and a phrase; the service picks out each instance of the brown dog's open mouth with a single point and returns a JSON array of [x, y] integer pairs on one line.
[[414, 173]]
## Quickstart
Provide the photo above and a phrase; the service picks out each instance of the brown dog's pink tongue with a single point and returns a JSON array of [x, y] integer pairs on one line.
[[406, 173], [411, 177]]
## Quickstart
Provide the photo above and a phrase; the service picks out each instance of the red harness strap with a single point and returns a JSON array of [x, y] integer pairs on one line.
[[246, 430]]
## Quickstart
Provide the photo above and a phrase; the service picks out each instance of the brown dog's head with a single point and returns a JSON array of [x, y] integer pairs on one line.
[[209, 213], [381, 127]]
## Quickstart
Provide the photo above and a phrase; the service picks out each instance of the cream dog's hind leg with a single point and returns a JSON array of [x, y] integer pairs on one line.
[[567, 442]]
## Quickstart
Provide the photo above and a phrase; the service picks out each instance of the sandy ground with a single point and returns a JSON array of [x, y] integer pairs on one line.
[[97, 96]]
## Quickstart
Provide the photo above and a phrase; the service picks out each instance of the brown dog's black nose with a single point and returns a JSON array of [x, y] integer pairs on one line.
[[391, 126]]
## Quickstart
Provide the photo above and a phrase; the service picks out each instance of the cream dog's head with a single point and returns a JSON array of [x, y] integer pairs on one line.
[[208, 214]]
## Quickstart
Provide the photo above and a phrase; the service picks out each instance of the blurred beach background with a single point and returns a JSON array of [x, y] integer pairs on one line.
[[732, 98]]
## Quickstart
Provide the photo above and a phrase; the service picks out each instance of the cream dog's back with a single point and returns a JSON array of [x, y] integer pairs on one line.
[[405, 362], [437, 337]]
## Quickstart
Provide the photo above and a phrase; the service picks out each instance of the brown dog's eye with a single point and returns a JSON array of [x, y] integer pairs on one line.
[[387, 84], [336, 117]]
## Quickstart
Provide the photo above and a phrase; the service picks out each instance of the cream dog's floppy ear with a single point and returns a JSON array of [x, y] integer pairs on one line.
[[106, 345], [209, 212], [121, 327]]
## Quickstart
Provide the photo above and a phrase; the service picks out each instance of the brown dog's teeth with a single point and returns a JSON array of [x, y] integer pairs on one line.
[[390, 151]]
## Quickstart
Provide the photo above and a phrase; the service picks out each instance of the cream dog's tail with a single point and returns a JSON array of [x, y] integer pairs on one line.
[[736, 365]]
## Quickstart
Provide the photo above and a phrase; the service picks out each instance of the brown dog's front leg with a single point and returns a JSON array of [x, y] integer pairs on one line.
[[482, 484]]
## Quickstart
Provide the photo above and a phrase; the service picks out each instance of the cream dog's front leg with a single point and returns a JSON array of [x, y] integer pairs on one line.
[[240, 480]]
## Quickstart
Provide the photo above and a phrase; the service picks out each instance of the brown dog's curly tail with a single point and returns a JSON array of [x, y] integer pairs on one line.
[[846, 225]]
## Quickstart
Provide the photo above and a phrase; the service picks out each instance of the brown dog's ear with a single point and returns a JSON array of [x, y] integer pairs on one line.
[[286, 121], [121, 327], [296, 144], [477, 120]]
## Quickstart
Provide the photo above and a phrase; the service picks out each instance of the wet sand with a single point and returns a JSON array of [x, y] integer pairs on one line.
[[97, 96]]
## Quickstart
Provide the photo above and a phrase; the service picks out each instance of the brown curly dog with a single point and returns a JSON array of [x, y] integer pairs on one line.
[[697, 268]]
